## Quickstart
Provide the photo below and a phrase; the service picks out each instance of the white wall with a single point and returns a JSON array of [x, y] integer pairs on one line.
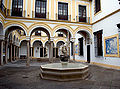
[[36, 49], [109, 28], [23, 49], [107, 7], [77, 57]]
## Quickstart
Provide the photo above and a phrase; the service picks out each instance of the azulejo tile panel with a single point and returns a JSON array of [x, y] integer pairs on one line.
[[111, 46]]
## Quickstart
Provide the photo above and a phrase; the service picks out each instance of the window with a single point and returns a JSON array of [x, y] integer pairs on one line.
[[98, 43], [17, 7], [82, 13], [80, 40], [40, 9], [38, 33], [62, 11], [60, 34], [97, 6]]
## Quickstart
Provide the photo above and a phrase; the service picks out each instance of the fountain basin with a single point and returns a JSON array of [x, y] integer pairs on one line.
[[60, 72]]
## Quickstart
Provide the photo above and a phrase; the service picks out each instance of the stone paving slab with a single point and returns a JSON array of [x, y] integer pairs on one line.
[[17, 76]]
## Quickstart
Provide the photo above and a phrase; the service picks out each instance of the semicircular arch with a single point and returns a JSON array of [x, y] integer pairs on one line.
[[85, 29], [34, 40], [40, 25], [58, 40], [62, 26], [18, 24]]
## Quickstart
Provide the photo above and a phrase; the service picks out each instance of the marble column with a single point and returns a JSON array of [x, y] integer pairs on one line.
[[31, 51], [51, 51], [73, 40], [14, 52], [6, 52], [55, 51], [18, 53], [74, 51], [43, 51], [11, 52], [1, 52], [28, 54]]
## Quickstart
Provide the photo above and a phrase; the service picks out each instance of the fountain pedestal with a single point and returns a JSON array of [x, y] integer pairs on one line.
[[63, 72]]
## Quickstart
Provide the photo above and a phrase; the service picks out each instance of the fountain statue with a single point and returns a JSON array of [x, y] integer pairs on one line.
[[64, 52], [64, 71]]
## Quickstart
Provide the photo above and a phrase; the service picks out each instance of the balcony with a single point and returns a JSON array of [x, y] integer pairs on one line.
[[3, 8], [83, 19], [63, 17], [40, 15], [16, 12]]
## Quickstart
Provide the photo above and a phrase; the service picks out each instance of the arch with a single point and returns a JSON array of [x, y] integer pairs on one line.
[[22, 41], [34, 40], [60, 42], [47, 41], [40, 25], [62, 26], [15, 24], [37, 41], [60, 39], [85, 29]]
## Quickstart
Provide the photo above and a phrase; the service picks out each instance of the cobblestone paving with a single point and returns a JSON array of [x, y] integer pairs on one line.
[[17, 76]]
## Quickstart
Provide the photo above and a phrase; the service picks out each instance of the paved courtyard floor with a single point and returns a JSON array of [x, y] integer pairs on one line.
[[17, 76]]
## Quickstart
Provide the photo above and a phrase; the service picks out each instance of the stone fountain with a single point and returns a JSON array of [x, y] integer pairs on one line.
[[64, 71]]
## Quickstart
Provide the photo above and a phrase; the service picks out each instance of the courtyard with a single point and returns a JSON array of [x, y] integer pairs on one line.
[[16, 75]]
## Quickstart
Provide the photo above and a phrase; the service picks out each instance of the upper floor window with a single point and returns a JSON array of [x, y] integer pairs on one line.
[[82, 13], [17, 7], [40, 9], [62, 11], [98, 43], [97, 6]]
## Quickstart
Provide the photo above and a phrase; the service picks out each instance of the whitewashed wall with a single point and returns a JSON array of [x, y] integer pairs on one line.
[[23, 49], [109, 28], [107, 7], [36, 49]]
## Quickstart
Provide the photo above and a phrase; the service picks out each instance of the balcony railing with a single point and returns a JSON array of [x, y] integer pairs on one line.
[[14, 12], [63, 17], [17, 12], [2, 7], [83, 19], [40, 15]]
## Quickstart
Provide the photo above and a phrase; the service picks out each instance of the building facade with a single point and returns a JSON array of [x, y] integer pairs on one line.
[[31, 29]]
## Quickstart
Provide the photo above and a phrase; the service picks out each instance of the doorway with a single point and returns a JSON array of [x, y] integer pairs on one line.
[[88, 53]]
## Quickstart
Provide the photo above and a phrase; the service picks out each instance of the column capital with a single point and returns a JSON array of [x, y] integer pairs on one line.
[[2, 37], [72, 39], [51, 38], [28, 38]]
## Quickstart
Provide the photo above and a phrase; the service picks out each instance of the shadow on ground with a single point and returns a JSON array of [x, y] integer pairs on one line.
[[17, 76]]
